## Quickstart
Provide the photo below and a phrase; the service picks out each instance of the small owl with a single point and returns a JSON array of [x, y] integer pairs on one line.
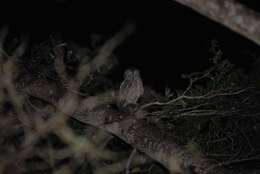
[[131, 89]]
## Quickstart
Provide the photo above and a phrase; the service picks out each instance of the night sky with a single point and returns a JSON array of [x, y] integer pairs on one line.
[[169, 40]]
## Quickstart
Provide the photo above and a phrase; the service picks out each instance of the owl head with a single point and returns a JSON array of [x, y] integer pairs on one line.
[[131, 73]]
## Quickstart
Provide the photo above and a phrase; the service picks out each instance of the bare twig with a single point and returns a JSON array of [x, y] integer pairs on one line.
[[130, 159]]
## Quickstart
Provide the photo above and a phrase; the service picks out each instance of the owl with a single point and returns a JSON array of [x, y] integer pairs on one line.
[[131, 89]]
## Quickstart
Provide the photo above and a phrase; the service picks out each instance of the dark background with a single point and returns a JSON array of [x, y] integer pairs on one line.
[[170, 39]]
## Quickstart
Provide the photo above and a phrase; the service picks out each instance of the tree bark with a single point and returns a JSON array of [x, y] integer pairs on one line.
[[138, 133], [229, 13]]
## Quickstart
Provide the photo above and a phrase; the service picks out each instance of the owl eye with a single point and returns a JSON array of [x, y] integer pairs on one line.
[[136, 73], [128, 73]]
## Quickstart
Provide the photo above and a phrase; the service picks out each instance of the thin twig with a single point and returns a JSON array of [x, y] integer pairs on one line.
[[128, 164]]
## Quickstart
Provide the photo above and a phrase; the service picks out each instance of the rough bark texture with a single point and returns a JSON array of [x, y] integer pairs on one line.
[[138, 133], [229, 13]]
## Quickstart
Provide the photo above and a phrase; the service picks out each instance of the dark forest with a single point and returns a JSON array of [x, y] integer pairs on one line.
[[126, 87]]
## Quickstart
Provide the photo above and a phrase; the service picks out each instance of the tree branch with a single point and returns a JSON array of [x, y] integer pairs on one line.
[[229, 13], [144, 137]]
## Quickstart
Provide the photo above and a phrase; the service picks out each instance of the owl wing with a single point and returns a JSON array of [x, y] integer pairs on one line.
[[136, 90], [123, 93]]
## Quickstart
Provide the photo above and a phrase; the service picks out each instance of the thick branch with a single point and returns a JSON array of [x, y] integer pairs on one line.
[[150, 140], [229, 13], [141, 135]]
